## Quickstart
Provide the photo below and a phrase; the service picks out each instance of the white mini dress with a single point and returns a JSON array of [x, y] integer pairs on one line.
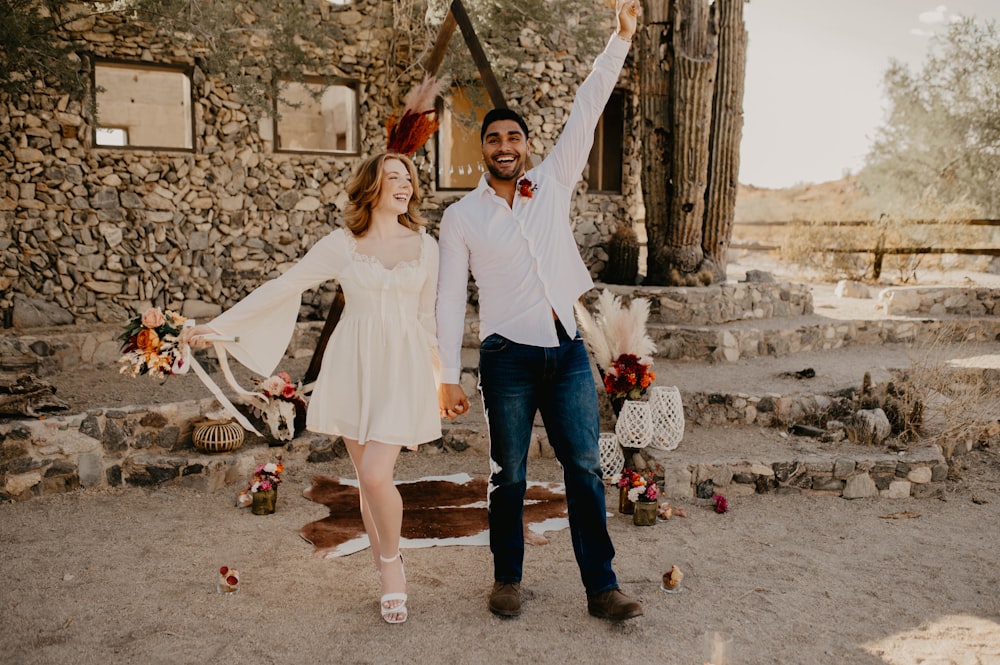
[[378, 380]]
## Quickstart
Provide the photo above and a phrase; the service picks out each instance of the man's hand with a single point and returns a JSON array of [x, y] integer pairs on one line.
[[452, 400], [628, 12]]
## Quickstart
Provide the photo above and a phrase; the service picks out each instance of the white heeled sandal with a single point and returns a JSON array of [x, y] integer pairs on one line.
[[397, 614]]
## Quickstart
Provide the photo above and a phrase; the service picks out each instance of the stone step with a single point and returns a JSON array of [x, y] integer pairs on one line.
[[779, 337]]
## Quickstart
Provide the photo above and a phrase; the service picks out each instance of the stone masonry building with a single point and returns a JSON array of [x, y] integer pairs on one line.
[[93, 232]]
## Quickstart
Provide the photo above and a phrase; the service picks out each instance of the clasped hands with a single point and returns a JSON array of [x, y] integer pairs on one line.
[[452, 401]]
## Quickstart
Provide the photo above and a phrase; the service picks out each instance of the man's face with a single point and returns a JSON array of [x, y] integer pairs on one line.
[[505, 149]]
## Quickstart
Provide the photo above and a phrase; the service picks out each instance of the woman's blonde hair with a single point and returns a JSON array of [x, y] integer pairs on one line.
[[364, 188]]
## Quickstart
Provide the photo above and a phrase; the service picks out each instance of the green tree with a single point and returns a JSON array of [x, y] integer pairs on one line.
[[31, 47], [938, 152]]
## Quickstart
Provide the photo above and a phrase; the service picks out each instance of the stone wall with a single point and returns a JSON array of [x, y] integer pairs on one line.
[[937, 301], [102, 232]]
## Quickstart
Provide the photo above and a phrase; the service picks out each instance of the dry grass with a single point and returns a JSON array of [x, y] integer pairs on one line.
[[956, 405]]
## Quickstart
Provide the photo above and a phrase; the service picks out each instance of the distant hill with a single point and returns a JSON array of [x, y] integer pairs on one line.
[[837, 200]]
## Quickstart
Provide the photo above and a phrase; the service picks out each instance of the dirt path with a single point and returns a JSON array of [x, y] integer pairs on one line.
[[128, 577]]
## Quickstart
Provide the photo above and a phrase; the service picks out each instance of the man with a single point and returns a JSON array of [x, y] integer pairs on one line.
[[513, 232]]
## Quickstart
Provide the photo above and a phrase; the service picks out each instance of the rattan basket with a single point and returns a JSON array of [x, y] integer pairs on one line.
[[217, 436]]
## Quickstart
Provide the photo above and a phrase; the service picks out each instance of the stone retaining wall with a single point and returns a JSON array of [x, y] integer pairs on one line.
[[716, 304], [938, 301], [733, 343], [150, 446]]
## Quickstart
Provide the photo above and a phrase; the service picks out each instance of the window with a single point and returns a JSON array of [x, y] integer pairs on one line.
[[605, 162], [144, 106], [317, 117], [459, 150]]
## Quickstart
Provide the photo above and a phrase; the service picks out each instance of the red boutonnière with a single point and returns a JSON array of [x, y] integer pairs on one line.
[[526, 188]]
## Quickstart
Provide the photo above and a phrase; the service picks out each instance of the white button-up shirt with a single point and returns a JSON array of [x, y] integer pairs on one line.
[[524, 257]]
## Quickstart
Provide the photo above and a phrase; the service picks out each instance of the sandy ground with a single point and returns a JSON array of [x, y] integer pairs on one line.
[[128, 576]]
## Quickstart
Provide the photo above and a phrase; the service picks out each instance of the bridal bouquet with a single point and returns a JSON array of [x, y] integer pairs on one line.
[[152, 344]]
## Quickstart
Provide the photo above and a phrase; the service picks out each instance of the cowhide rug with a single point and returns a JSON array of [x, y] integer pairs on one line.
[[443, 510]]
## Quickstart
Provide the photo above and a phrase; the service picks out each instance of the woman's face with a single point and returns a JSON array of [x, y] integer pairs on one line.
[[397, 190]]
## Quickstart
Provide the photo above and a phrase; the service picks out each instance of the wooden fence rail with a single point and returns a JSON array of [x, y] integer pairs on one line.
[[880, 251]]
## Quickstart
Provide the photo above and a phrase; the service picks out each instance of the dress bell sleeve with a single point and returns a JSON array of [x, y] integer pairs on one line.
[[265, 320]]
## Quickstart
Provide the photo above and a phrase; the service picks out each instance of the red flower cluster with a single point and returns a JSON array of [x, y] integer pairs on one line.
[[280, 386], [628, 377], [526, 188], [641, 486], [721, 505]]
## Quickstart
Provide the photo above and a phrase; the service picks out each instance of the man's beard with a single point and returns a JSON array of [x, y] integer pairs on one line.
[[517, 170]]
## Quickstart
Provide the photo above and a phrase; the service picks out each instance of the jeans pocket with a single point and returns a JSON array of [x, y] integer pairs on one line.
[[494, 344]]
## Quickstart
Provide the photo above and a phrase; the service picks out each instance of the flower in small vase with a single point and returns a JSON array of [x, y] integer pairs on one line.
[[267, 476], [628, 377], [622, 349], [645, 492]]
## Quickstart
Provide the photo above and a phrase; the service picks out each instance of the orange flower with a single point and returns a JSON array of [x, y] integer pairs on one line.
[[147, 340]]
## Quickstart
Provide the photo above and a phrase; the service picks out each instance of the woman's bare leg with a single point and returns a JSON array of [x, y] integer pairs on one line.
[[378, 463], [356, 452]]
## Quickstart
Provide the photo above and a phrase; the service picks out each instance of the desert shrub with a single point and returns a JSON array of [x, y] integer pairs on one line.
[[958, 403]]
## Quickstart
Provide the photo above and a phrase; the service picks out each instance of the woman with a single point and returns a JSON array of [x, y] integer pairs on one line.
[[377, 385]]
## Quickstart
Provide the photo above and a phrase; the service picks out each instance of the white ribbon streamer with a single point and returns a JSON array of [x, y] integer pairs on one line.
[[218, 342]]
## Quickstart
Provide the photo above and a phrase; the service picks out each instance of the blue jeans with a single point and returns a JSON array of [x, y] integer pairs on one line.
[[516, 381]]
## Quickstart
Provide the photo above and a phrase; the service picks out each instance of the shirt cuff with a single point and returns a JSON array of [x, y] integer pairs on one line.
[[617, 46], [451, 375]]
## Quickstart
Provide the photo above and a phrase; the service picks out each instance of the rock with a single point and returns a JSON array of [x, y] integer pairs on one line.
[[38, 313], [869, 427], [759, 277], [860, 486], [847, 288]]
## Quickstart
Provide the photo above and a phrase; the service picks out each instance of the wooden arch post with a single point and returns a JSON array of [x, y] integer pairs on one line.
[[457, 17]]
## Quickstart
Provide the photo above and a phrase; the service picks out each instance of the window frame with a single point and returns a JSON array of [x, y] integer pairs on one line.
[[324, 82], [186, 70]]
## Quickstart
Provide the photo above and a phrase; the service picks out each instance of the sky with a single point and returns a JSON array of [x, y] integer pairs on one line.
[[813, 98]]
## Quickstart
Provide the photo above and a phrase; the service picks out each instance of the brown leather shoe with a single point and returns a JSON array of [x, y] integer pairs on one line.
[[505, 599], [613, 605]]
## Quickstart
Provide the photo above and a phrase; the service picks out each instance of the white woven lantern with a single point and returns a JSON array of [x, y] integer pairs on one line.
[[666, 412], [634, 427], [612, 456]]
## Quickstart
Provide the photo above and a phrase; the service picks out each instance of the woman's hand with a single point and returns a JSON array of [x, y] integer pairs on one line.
[[197, 337], [628, 13]]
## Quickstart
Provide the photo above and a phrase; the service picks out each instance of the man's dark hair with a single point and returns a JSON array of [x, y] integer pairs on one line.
[[502, 114]]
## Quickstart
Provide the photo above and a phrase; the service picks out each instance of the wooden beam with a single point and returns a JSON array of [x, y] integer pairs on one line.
[[478, 55], [332, 319], [433, 62], [457, 16]]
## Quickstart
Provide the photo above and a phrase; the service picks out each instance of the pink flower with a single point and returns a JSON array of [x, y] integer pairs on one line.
[[288, 392], [721, 505], [153, 318], [273, 385]]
